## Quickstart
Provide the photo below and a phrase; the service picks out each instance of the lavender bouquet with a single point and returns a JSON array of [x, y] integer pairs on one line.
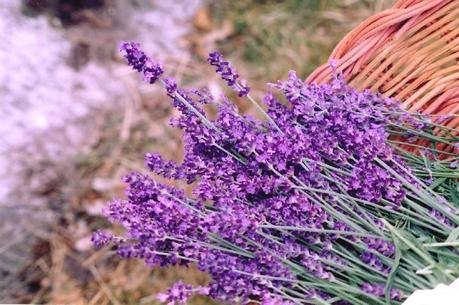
[[315, 203]]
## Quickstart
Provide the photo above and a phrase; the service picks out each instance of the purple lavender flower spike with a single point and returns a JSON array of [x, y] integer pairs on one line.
[[171, 86], [228, 73], [441, 218], [379, 290], [179, 293], [134, 56], [101, 238], [384, 247], [140, 62], [152, 72], [373, 261]]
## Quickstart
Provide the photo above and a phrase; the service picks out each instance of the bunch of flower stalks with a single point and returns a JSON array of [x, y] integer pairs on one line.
[[314, 203]]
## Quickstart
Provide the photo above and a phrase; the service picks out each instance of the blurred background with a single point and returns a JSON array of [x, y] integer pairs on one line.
[[74, 119]]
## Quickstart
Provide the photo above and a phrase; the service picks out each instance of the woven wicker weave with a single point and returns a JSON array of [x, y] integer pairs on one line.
[[409, 52]]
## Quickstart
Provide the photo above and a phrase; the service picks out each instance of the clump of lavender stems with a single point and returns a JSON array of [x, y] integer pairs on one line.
[[301, 207]]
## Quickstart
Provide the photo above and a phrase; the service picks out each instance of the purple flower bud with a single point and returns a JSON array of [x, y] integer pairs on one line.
[[152, 71], [134, 56], [441, 217], [384, 247], [101, 238], [379, 290], [171, 86], [228, 74], [373, 261], [140, 62], [179, 293]]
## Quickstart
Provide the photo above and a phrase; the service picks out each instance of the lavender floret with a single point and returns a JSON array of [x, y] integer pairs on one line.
[[101, 238], [140, 62], [228, 73], [179, 293], [379, 290]]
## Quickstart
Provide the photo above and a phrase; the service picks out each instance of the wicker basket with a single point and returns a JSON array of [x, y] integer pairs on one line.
[[409, 52]]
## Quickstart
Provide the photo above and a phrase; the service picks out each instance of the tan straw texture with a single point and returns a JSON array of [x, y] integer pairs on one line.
[[409, 52]]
